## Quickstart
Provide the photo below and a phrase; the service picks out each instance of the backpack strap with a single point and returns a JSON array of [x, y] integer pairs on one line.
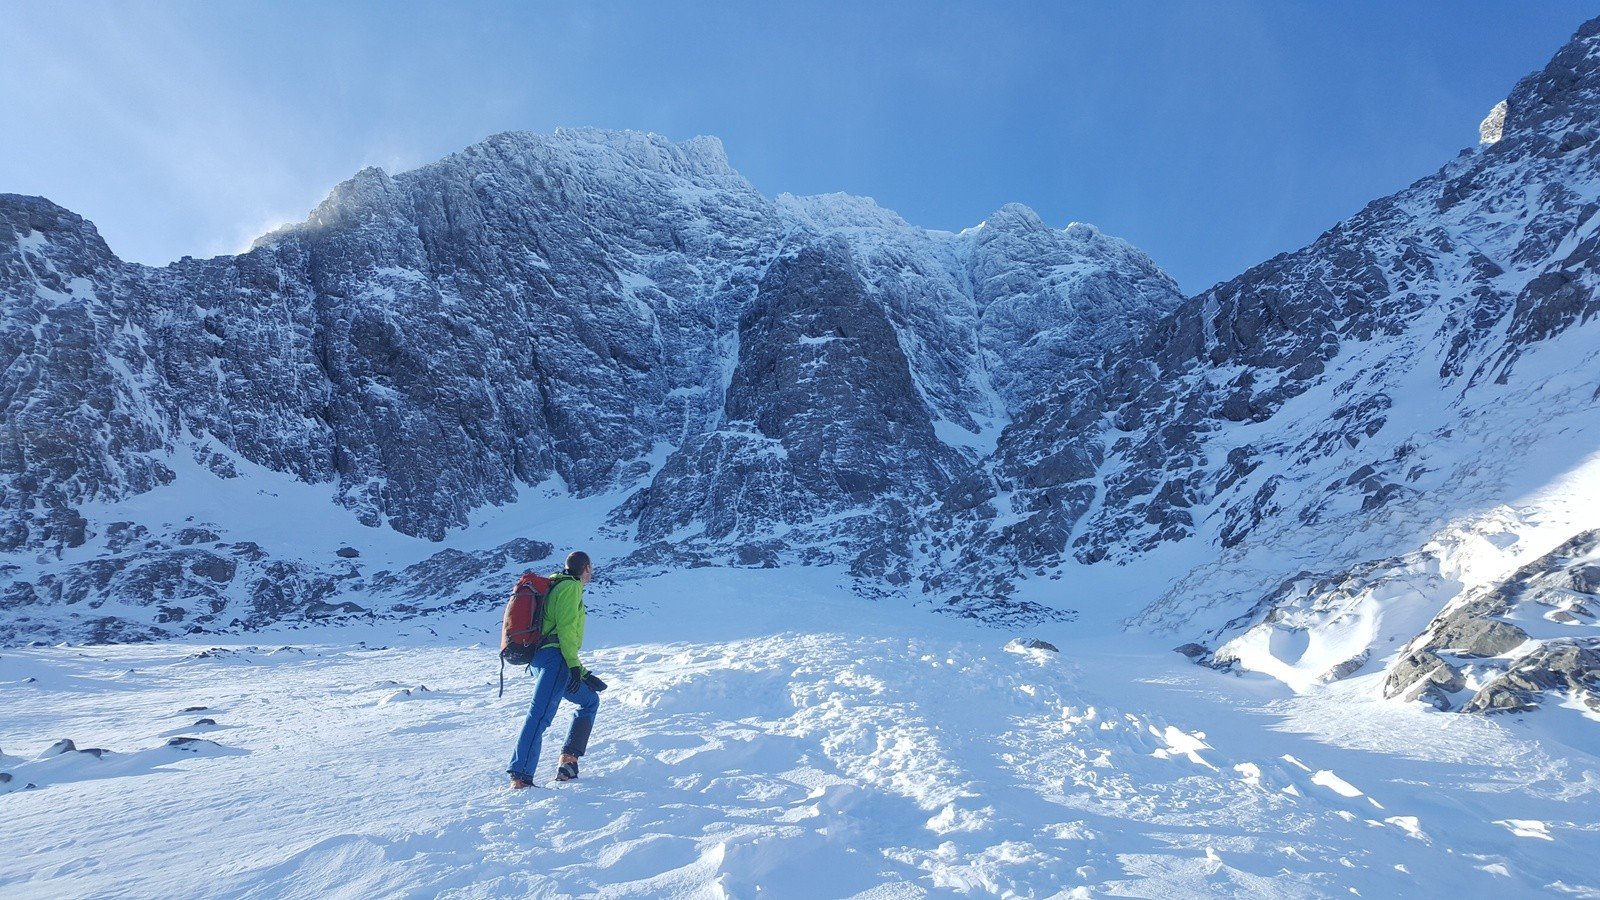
[[551, 639]]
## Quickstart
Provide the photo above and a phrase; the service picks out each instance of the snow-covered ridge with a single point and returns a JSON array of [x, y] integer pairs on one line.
[[588, 309], [1413, 390]]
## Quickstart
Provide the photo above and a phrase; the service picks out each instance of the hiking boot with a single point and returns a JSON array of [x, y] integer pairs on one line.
[[568, 769], [518, 782]]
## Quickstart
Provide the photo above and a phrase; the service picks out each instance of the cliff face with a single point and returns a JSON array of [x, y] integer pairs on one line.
[[613, 318], [608, 313], [1381, 430]]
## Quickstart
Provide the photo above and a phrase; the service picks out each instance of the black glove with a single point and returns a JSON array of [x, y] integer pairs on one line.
[[575, 680], [594, 682]]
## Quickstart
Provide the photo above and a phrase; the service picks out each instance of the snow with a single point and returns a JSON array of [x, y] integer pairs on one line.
[[290, 518], [766, 733], [33, 243], [1528, 828], [981, 442], [1336, 784], [1493, 125]]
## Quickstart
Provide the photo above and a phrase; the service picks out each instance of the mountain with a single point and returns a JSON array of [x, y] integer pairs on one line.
[[1339, 464], [601, 314], [1390, 422]]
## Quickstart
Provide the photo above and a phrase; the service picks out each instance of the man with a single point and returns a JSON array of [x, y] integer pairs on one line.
[[559, 675]]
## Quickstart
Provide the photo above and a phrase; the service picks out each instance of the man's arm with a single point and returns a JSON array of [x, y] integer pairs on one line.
[[564, 616]]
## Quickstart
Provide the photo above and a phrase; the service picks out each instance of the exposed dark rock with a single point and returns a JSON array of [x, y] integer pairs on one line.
[[1466, 635], [247, 550], [1419, 671], [1584, 579], [1565, 665], [189, 536], [1347, 668], [319, 610], [122, 535], [1470, 628], [449, 572]]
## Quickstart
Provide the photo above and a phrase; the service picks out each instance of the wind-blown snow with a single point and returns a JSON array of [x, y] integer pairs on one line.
[[765, 734]]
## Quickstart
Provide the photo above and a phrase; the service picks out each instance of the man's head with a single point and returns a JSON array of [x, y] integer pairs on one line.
[[579, 566]]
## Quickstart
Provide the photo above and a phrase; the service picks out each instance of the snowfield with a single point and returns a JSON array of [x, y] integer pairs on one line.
[[767, 734]]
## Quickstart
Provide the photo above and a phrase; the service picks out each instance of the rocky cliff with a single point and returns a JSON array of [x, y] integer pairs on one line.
[[599, 313], [1307, 453]]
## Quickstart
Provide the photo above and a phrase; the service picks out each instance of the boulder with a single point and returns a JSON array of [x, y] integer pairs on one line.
[[1467, 635], [1568, 665], [1347, 668], [190, 536], [1585, 579], [1422, 671]]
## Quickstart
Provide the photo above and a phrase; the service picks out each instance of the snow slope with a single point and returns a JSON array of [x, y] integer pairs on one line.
[[766, 733]]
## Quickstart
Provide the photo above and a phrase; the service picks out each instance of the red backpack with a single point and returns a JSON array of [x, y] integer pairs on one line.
[[522, 630]]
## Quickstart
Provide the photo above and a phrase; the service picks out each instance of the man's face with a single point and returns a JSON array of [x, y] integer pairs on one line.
[[588, 572]]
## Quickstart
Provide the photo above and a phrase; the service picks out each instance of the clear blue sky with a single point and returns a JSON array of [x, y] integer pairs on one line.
[[1211, 134]]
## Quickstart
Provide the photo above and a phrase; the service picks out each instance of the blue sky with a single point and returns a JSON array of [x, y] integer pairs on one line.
[[1211, 134]]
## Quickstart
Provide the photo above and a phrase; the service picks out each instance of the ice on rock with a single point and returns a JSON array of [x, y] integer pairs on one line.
[[1493, 125]]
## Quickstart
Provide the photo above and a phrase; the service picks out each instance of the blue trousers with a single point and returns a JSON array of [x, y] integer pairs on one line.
[[550, 687]]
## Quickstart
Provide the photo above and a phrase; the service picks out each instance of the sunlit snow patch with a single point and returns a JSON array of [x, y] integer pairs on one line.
[[1528, 828]]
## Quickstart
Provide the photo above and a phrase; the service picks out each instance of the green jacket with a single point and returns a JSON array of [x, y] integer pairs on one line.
[[563, 617]]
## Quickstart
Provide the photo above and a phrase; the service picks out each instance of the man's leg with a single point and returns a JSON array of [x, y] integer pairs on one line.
[[582, 723], [552, 680]]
